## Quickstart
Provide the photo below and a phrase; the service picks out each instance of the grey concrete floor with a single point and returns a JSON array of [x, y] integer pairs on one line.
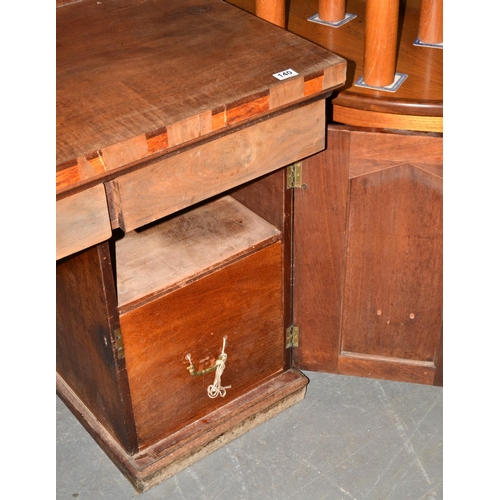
[[350, 438]]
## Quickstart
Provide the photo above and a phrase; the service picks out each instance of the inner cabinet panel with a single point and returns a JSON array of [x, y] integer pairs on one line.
[[392, 297], [368, 225]]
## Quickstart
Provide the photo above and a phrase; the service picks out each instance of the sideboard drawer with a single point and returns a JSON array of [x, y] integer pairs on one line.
[[217, 289], [82, 220], [199, 173]]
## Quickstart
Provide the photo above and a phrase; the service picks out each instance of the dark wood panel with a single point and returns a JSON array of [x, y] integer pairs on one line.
[[439, 362], [242, 301], [320, 208], [269, 198], [86, 356], [387, 368], [393, 288], [266, 196], [377, 151]]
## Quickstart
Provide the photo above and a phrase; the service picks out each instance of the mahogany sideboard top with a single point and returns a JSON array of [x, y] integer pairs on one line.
[[138, 79]]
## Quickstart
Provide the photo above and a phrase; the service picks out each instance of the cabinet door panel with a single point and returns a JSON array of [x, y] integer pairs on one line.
[[382, 313], [392, 295], [320, 210]]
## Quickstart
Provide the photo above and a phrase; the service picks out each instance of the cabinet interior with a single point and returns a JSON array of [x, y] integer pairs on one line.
[[175, 250]]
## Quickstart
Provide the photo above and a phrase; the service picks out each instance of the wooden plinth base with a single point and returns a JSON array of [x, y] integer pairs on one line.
[[176, 452]]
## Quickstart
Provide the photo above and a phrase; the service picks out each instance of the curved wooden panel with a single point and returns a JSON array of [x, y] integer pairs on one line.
[[373, 119]]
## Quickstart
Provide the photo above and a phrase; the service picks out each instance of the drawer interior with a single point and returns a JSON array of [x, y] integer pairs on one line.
[[176, 250]]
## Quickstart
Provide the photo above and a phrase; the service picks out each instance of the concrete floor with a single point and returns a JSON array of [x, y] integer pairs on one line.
[[350, 438]]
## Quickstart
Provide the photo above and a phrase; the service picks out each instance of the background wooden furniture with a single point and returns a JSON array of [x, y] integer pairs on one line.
[[381, 33], [368, 216], [418, 103], [430, 25], [274, 12], [331, 10]]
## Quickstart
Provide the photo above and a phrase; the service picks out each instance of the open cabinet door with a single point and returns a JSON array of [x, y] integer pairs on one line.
[[367, 256]]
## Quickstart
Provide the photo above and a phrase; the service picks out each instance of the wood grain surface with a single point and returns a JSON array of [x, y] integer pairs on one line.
[[137, 78], [331, 11], [381, 35], [269, 197], [273, 11], [376, 119], [393, 289], [86, 347], [82, 220], [430, 27]]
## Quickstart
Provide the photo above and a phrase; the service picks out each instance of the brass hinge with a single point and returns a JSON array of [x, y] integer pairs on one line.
[[292, 336], [294, 175], [119, 343]]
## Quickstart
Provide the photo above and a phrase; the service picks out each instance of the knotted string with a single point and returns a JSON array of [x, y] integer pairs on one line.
[[216, 389]]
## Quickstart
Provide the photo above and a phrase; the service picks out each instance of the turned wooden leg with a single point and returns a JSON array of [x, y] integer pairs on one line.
[[271, 10], [381, 32], [430, 27], [331, 11]]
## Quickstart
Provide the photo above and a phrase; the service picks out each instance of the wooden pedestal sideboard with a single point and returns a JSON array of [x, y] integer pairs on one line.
[[215, 235], [178, 125]]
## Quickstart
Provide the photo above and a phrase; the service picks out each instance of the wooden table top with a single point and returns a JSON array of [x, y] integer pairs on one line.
[[137, 79], [420, 94]]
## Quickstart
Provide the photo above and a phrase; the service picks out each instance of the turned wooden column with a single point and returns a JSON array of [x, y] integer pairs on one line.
[[430, 26], [271, 10], [381, 33], [331, 11]]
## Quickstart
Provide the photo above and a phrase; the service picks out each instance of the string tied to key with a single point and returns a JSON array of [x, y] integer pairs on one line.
[[215, 389]]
